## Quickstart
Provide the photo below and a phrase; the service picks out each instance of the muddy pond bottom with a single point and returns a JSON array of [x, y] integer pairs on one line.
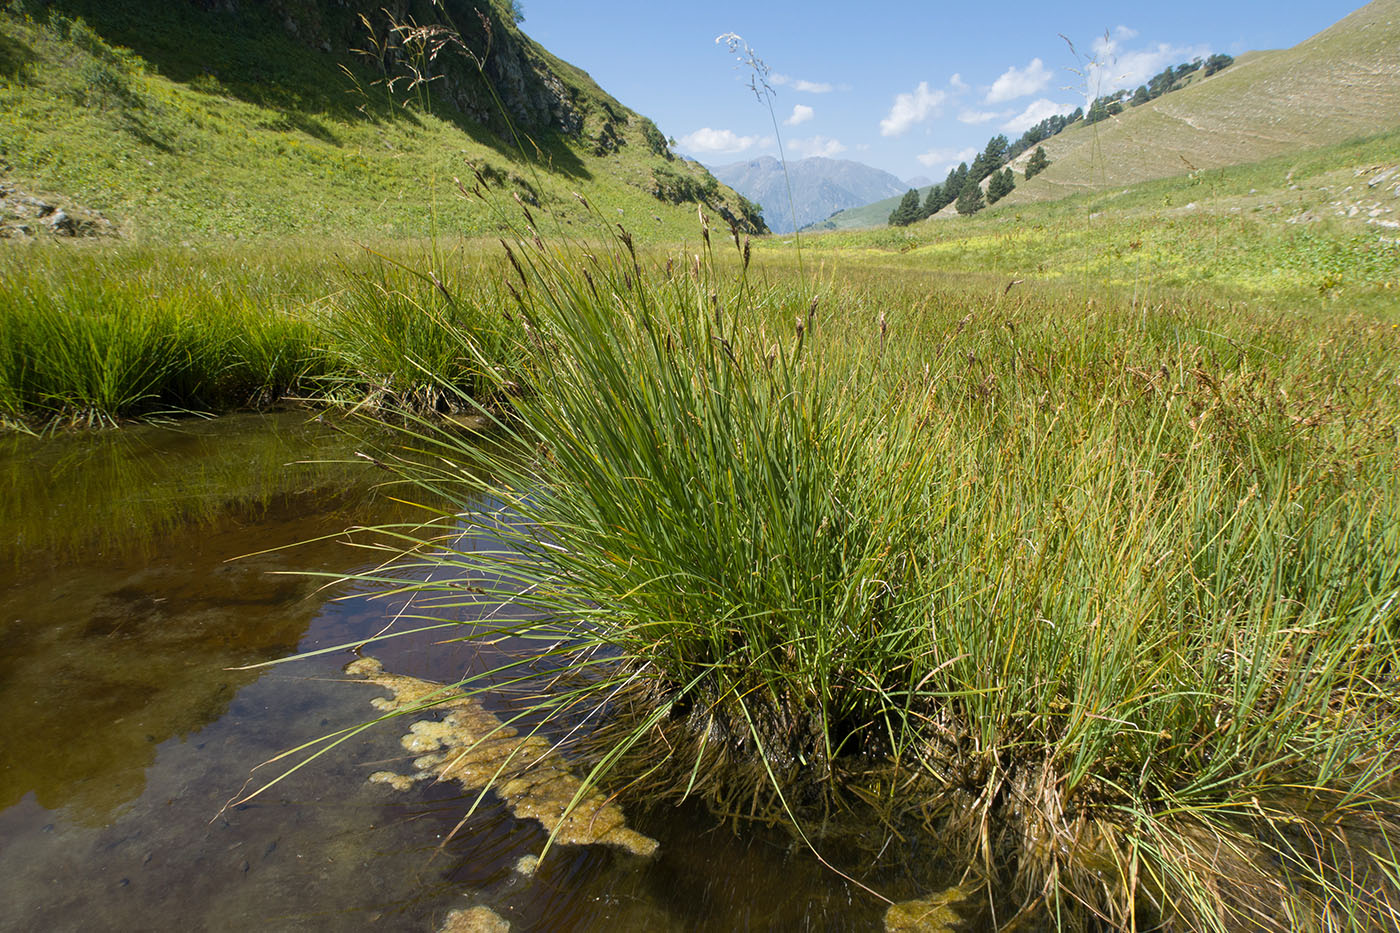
[[126, 729]]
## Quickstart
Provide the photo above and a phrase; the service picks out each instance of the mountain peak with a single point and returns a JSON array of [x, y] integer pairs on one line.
[[819, 187]]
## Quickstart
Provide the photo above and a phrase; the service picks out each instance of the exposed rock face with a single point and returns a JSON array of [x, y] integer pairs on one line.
[[514, 66], [23, 215]]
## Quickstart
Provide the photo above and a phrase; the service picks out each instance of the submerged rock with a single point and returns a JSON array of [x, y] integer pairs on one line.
[[472, 746]]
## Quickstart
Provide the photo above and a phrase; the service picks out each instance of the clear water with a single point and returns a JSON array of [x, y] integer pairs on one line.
[[125, 730]]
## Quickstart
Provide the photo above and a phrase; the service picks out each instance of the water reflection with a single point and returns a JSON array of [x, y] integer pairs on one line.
[[119, 607]]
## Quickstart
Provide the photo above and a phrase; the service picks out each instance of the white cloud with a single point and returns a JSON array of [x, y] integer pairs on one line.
[[1114, 66], [945, 159], [1018, 82], [957, 83], [909, 109], [1125, 32], [797, 84], [981, 116], [1037, 111], [801, 113], [823, 146], [722, 142]]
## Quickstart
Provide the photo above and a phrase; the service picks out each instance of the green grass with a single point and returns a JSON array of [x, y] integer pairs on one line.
[[1111, 594], [92, 336], [1088, 587], [1293, 228]]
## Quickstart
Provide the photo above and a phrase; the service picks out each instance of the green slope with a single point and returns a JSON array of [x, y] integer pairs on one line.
[[1321, 223], [175, 121], [875, 214], [1341, 84]]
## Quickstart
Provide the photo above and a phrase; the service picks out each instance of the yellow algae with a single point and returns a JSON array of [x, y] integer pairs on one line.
[[471, 746], [396, 781], [936, 913], [527, 864], [475, 920]]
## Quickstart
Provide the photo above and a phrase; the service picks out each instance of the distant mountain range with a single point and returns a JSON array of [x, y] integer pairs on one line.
[[820, 187]]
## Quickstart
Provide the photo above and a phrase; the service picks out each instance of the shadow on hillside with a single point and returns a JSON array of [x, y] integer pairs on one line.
[[16, 59], [250, 57]]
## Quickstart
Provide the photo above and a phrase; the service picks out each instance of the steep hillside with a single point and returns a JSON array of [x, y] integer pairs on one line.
[[819, 187], [254, 117], [1340, 84]]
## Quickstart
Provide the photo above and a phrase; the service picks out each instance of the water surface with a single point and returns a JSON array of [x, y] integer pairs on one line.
[[126, 730]]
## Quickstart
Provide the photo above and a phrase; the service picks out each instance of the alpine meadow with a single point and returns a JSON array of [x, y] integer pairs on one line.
[[1018, 553]]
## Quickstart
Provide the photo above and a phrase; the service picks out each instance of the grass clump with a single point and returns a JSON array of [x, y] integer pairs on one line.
[[1105, 602]]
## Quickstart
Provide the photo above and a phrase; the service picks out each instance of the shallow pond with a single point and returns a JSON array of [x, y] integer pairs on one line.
[[125, 731]]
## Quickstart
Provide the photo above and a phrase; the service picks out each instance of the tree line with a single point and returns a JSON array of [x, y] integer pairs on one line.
[[1169, 79], [963, 186]]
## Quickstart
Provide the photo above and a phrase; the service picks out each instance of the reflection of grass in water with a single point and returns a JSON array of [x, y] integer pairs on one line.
[[120, 608], [88, 493], [1112, 590]]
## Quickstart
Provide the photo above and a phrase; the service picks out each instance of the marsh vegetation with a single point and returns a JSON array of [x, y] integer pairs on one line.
[[1095, 597]]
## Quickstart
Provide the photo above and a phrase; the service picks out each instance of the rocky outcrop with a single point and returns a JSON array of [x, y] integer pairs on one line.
[[529, 88], [25, 216]]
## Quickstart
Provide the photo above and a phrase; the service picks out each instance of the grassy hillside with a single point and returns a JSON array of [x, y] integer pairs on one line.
[[1341, 84], [174, 122]]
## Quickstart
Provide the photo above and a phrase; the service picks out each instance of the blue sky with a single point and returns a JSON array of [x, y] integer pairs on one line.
[[911, 88]]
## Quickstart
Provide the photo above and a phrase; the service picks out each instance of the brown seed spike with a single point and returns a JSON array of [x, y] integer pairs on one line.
[[626, 239], [515, 262]]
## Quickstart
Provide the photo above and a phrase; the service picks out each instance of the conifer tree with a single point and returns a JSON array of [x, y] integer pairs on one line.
[[908, 210], [1038, 163], [970, 199], [956, 179], [1000, 186], [1218, 61], [934, 202]]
